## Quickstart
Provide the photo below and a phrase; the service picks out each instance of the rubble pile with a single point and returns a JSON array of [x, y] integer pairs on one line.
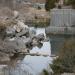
[[18, 39]]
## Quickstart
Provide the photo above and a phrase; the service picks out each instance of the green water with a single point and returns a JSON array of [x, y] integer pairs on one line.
[[57, 42]]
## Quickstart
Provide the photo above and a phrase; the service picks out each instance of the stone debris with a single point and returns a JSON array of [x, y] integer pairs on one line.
[[40, 37], [19, 39]]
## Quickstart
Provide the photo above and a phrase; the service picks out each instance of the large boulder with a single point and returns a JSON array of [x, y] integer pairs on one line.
[[40, 37], [10, 31], [20, 39]]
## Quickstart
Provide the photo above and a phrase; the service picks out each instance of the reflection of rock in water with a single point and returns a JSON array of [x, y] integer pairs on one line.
[[57, 42], [13, 67], [18, 70]]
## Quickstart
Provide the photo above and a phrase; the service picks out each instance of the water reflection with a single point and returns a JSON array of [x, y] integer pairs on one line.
[[57, 41]]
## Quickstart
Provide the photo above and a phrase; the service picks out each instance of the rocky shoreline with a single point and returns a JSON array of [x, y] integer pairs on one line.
[[18, 38]]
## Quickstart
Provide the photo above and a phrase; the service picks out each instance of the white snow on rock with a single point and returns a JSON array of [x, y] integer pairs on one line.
[[45, 50], [40, 30]]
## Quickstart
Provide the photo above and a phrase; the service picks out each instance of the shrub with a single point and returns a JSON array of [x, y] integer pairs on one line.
[[45, 72], [70, 2]]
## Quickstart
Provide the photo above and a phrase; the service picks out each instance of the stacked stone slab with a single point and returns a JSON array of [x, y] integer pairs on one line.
[[62, 21]]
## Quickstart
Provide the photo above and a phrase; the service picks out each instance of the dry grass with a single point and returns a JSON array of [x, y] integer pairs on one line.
[[5, 23], [5, 11]]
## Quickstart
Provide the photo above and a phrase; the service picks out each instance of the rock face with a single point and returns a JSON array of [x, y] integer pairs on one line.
[[6, 3], [62, 27], [19, 39], [62, 21]]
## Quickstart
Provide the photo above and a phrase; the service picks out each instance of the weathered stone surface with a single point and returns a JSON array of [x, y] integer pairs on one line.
[[19, 42], [10, 31], [40, 37], [62, 22]]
